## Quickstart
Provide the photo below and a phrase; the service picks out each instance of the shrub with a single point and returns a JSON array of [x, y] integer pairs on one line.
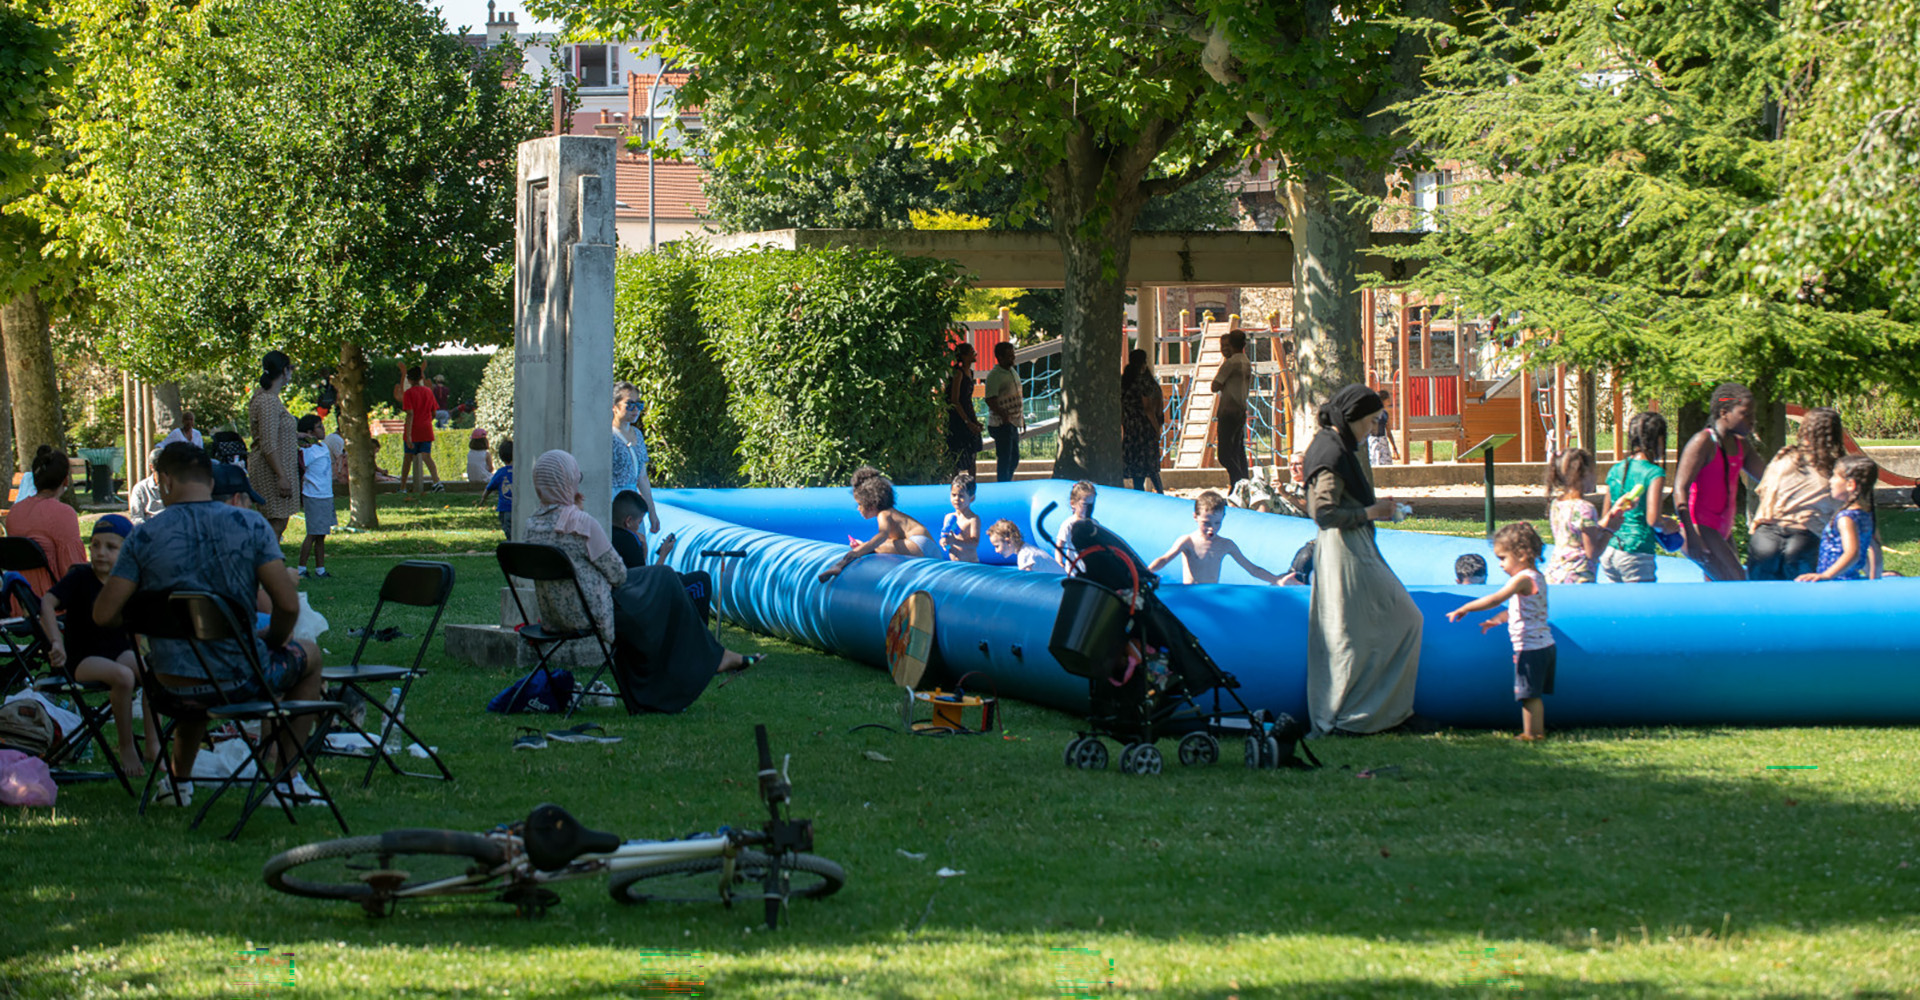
[[494, 400], [661, 345], [833, 359]]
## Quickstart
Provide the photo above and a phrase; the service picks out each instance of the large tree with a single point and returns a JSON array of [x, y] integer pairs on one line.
[[30, 71], [330, 178], [1093, 107], [1623, 155]]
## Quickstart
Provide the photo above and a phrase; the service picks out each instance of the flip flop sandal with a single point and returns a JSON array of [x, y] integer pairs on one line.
[[583, 733], [533, 740], [746, 661]]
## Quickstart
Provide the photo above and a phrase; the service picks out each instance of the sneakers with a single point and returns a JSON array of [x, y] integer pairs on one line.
[[301, 572], [322, 573], [174, 793], [600, 695], [583, 733], [437, 488]]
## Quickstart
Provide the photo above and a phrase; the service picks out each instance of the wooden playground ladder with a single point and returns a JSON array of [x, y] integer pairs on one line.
[[1196, 419]]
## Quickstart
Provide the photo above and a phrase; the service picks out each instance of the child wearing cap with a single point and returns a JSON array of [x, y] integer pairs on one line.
[[88, 652], [316, 495]]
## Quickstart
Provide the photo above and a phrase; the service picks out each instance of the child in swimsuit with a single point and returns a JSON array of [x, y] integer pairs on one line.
[[898, 535], [1847, 550], [1708, 480]]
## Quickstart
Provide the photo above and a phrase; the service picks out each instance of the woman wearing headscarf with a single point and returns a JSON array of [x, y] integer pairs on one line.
[[273, 465], [1363, 630], [664, 655], [1142, 409]]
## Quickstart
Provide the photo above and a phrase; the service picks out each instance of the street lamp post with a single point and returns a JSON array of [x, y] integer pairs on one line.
[[653, 210]]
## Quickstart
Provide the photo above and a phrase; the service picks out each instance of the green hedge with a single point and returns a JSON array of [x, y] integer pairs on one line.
[[661, 345], [787, 368]]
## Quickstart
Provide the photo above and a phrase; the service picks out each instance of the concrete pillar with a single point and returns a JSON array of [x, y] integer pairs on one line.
[[563, 314]]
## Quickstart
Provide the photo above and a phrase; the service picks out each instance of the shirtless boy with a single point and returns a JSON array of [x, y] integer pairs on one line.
[[1206, 548]]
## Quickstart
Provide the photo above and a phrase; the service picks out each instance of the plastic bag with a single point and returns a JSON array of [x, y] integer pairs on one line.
[[311, 623], [25, 780]]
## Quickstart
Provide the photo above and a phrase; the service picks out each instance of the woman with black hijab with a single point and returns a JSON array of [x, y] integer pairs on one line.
[[1363, 630]]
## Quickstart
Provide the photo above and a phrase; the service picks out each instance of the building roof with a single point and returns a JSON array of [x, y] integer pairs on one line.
[[680, 188]]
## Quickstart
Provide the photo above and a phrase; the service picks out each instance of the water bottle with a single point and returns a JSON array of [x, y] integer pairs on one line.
[[388, 739]]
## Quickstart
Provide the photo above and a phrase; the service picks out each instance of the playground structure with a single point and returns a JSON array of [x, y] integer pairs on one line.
[[1676, 652]]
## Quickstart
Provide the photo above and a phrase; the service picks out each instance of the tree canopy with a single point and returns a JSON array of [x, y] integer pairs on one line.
[[330, 178], [1093, 108], [1621, 158]]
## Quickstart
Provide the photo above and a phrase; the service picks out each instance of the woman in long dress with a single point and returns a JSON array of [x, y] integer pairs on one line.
[[1142, 408], [273, 465], [664, 654], [1363, 630]]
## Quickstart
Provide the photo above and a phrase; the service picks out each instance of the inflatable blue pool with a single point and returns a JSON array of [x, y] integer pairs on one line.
[[1678, 652]]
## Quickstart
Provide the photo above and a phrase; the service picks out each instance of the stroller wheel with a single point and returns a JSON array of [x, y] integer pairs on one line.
[[1091, 756], [1141, 758], [1262, 753], [1073, 750], [1199, 748]]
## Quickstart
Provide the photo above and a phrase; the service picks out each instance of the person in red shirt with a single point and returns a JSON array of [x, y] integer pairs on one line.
[[417, 441]]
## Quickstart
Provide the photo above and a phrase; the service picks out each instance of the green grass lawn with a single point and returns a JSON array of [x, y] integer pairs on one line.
[[1604, 863]]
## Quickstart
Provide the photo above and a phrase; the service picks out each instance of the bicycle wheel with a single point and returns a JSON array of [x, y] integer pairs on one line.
[[698, 880], [358, 868]]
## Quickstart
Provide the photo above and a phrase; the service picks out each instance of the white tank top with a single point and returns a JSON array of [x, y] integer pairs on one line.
[[1527, 616]]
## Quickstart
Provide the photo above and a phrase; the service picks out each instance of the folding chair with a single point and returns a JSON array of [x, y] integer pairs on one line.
[[547, 564], [19, 611], [415, 584], [203, 619]]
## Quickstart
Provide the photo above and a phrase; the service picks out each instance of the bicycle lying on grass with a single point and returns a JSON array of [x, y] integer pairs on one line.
[[551, 846]]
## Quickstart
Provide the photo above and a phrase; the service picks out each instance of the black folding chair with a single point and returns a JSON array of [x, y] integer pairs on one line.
[[415, 584], [203, 619], [19, 612], [547, 564]]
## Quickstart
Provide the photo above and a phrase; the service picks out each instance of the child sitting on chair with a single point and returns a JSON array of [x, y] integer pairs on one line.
[[1206, 549], [88, 652], [899, 534], [1009, 542]]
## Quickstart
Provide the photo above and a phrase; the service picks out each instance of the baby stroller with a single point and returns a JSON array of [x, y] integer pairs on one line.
[[1148, 677]]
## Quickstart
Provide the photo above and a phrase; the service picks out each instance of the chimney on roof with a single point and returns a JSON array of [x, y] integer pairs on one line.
[[491, 20]]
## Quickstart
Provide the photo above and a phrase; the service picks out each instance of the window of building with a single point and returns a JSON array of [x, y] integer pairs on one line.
[[1430, 194], [590, 65]]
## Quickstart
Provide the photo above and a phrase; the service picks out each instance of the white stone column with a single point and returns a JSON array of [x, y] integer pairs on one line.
[[563, 315]]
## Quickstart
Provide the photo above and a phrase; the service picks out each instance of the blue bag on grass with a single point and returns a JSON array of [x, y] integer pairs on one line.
[[543, 691]]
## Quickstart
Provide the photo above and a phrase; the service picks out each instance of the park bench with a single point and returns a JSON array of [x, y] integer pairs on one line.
[[76, 475]]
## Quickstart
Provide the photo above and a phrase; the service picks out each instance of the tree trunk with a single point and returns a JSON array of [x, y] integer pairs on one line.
[[357, 430], [167, 408], [1092, 347], [1329, 240], [35, 393], [6, 429]]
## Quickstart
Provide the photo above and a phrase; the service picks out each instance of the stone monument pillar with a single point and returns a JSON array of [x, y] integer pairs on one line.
[[563, 316]]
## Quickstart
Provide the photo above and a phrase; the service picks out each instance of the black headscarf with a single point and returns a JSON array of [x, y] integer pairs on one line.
[[1334, 446]]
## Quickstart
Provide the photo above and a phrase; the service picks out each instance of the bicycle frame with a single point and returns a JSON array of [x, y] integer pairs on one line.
[[638, 854]]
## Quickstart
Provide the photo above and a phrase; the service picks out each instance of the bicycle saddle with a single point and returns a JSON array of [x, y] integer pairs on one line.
[[553, 838]]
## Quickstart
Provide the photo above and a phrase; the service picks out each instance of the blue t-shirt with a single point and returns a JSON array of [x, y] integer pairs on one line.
[[204, 546], [502, 483]]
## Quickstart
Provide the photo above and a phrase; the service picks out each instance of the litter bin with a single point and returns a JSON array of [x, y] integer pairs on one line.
[[1089, 629], [102, 463]]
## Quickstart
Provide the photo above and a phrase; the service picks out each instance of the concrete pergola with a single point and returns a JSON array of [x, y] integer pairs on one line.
[[1006, 259]]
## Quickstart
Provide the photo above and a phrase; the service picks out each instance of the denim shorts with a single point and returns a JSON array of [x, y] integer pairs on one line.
[[419, 448], [282, 668]]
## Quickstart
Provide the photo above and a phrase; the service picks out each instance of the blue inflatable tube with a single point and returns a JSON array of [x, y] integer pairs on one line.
[[1675, 653]]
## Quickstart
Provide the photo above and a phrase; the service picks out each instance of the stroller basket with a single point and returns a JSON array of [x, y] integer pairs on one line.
[[1090, 629]]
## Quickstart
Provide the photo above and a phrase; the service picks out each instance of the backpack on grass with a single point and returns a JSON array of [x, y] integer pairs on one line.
[[542, 691], [26, 726]]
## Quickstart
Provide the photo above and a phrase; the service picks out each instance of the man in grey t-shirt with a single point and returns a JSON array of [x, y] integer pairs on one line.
[[1230, 407], [1005, 412], [200, 544]]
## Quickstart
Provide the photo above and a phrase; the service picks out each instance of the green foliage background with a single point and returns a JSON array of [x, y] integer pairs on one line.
[[663, 344], [833, 359], [777, 368]]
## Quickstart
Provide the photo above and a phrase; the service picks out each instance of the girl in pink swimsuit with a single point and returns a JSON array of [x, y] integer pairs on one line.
[[1709, 481]]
